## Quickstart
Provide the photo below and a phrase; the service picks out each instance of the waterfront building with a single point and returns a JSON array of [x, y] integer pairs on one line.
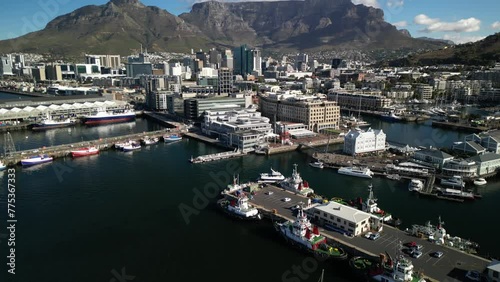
[[314, 111], [87, 69], [491, 141], [469, 147], [53, 72], [464, 168], [487, 163], [493, 271], [194, 108], [157, 100], [423, 91], [360, 142], [431, 157], [358, 101], [243, 129], [342, 218]]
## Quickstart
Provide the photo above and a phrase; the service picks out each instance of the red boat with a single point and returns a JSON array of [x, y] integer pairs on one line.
[[85, 152]]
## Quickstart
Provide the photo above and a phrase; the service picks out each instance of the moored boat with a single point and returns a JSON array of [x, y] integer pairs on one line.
[[456, 194], [120, 145], [34, 160], [103, 117], [394, 176], [239, 208], [317, 164], [296, 184], [2, 166], [50, 123], [415, 185], [150, 140], [455, 181], [304, 235], [271, 177], [172, 138], [395, 270], [87, 151], [480, 181], [131, 147], [356, 171]]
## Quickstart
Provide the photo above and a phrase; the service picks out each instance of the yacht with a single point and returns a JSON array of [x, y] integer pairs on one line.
[[455, 181], [480, 181], [356, 171], [271, 177], [317, 164], [415, 185]]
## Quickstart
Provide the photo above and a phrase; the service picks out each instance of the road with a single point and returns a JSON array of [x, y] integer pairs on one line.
[[452, 266]]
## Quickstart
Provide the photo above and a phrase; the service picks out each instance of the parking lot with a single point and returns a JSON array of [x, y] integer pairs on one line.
[[452, 266]]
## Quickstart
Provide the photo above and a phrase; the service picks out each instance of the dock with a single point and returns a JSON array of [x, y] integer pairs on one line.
[[61, 151], [217, 156], [451, 267], [459, 126]]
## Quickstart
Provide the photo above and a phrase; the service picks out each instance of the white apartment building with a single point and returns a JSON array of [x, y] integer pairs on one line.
[[314, 111], [424, 91], [359, 142], [242, 129]]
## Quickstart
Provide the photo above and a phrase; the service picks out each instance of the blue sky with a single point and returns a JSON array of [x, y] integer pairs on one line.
[[457, 20]]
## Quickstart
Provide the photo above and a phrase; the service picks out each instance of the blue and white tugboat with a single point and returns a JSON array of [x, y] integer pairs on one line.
[[302, 234], [239, 208]]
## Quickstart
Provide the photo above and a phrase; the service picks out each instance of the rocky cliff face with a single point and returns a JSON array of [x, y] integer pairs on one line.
[[122, 25]]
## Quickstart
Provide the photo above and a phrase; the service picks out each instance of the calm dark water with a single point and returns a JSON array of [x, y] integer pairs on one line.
[[9, 96], [78, 220]]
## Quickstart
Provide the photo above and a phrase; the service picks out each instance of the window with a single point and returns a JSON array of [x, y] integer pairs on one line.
[[495, 274]]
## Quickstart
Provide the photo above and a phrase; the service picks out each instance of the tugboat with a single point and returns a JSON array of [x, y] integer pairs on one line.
[[296, 184], [302, 234], [240, 208], [400, 269]]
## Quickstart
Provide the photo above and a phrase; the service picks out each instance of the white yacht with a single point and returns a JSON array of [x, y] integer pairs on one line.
[[317, 164], [455, 181], [415, 185], [271, 177], [480, 181], [356, 171]]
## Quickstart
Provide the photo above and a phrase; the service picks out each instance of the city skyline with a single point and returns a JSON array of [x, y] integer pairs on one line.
[[458, 20]]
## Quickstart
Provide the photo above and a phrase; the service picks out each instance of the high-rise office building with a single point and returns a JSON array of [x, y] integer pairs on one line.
[[227, 59], [225, 76], [6, 65], [215, 57], [257, 62], [247, 61]]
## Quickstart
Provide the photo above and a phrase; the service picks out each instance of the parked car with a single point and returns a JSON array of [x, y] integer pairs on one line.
[[368, 235], [416, 254], [411, 244], [375, 236], [417, 247], [286, 199], [269, 192], [437, 254], [473, 275]]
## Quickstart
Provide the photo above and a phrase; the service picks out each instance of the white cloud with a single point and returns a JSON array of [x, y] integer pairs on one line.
[[425, 20], [459, 39], [395, 3], [495, 25], [372, 3], [434, 25], [400, 24]]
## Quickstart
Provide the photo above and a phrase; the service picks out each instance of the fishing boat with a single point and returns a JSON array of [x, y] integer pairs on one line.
[[415, 185], [317, 164], [356, 171], [271, 177], [395, 270], [2, 166], [34, 160], [120, 145], [150, 140], [239, 208], [296, 184], [455, 181], [303, 234], [49, 123], [172, 138], [103, 117], [480, 181], [235, 186], [131, 147], [87, 151]]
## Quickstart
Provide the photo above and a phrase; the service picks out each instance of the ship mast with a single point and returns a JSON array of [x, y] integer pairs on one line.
[[9, 147]]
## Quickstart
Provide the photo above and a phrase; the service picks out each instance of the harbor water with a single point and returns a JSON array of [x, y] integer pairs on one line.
[[150, 213]]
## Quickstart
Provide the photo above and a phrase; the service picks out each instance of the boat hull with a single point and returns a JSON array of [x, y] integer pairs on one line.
[[40, 127], [239, 216], [29, 162], [355, 175], [81, 153], [106, 120]]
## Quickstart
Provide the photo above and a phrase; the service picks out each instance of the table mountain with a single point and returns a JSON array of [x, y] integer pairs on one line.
[[310, 25]]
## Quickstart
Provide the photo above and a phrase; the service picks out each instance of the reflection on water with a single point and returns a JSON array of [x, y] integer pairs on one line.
[[37, 168]]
